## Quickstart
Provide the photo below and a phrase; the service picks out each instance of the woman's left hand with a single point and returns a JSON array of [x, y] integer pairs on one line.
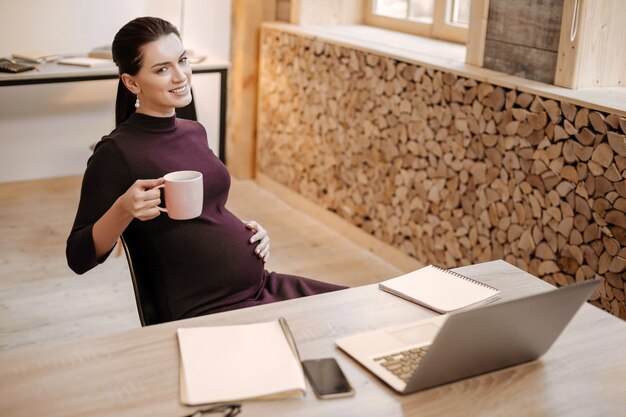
[[263, 248]]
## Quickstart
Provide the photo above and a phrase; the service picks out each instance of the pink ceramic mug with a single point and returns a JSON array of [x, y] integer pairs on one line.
[[183, 194]]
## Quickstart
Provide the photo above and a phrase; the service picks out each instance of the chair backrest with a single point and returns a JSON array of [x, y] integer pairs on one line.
[[145, 297]]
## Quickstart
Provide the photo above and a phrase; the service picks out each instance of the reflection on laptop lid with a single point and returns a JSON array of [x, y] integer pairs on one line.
[[447, 348]]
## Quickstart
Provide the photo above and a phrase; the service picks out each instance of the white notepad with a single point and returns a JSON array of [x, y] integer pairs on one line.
[[233, 363], [440, 289]]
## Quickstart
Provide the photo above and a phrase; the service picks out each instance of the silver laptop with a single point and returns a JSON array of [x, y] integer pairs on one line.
[[459, 345]]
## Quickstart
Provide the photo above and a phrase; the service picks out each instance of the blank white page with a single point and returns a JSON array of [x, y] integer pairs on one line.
[[229, 363]]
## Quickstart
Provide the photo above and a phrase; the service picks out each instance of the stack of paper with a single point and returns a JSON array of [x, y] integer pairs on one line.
[[86, 61], [36, 57], [231, 363]]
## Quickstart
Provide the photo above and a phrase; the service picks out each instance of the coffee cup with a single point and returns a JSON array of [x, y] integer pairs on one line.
[[183, 194]]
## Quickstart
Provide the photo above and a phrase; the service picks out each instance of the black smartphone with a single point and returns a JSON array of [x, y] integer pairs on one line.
[[327, 378]]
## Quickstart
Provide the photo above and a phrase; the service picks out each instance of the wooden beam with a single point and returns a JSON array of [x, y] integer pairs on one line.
[[477, 32], [247, 18]]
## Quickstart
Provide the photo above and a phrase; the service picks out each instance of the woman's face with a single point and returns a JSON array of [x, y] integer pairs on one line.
[[164, 81]]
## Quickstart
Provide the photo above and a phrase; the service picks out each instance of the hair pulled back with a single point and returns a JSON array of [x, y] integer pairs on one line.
[[128, 56]]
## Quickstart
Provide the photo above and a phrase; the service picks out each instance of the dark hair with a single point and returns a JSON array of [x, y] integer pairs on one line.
[[128, 56]]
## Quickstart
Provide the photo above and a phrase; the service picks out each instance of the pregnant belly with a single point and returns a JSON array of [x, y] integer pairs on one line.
[[215, 260]]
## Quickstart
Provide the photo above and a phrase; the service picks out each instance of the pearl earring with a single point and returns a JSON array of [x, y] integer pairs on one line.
[[137, 103]]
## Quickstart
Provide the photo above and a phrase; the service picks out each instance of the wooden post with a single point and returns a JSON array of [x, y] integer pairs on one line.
[[246, 23], [477, 32]]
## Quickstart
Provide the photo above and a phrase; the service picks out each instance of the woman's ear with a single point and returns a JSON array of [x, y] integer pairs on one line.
[[130, 83]]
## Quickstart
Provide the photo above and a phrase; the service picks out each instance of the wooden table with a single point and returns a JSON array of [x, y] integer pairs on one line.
[[135, 373]]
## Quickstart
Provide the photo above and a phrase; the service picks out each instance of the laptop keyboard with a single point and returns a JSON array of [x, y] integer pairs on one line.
[[403, 364]]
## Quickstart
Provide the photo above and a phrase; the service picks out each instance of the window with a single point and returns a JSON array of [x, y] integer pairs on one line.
[[442, 19]]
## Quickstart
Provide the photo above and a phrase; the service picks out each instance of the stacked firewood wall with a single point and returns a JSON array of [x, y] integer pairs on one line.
[[450, 170]]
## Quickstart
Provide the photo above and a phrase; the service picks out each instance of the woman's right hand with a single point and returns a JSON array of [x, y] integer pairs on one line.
[[141, 199]]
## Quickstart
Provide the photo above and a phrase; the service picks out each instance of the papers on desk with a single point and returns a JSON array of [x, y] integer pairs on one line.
[[232, 363], [85, 61], [35, 57]]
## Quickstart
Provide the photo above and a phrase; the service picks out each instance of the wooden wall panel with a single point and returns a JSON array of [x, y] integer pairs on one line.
[[532, 23], [522, 37], [283, 10], [326, 12], [520, 60]]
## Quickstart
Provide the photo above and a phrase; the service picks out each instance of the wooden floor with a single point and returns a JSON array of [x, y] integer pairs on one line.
[[43, 302]]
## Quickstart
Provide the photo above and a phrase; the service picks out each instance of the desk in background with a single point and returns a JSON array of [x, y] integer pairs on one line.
[[50, 73], [136, 372]]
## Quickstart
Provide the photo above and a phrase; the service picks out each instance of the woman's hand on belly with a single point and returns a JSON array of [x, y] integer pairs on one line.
[[262, 250]]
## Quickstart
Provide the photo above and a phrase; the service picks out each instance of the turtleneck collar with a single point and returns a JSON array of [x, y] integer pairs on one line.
[[153, 123]]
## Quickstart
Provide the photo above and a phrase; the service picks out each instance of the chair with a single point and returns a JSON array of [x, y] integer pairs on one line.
[[145, 295]]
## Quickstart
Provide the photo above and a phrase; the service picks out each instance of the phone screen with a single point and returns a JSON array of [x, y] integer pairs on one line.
[[327, 378]]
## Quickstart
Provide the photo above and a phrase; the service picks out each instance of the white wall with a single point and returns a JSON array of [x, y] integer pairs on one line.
[[46, 130], [206, 30]]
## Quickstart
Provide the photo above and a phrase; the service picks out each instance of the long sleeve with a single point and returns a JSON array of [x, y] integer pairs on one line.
[[106, 178]]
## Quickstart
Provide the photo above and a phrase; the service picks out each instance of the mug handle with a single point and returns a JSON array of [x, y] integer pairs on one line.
[[161, 209]]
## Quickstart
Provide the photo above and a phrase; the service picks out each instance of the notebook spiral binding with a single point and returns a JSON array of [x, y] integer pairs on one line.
[[456, 274]]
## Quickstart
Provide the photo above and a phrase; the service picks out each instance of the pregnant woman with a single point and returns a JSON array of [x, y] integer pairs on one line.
[[211, 263]]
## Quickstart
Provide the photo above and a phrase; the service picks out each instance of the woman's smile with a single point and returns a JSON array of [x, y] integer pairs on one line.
[[180, 90]]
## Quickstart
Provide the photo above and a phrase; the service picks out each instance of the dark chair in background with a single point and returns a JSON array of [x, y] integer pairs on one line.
[[151, 307]]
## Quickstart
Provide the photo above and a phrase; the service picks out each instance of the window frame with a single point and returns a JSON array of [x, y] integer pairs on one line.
[[438, 29]]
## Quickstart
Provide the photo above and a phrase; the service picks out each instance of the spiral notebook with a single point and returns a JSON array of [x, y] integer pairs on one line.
[[440, 289]]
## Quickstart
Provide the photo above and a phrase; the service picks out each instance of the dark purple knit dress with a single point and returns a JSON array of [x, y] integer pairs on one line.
[[201, 266]]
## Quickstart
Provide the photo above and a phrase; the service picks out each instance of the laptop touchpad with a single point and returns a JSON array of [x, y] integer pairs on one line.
[[414, 335]]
